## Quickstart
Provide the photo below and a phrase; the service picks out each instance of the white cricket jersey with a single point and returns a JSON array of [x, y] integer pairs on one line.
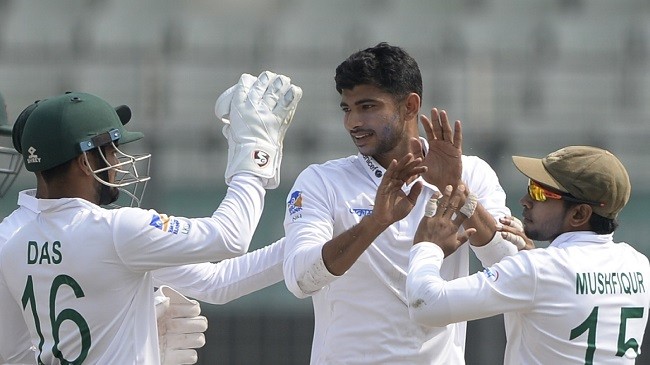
[[362, 317], [15, 341], [82, 273], [227, 280], [582, 300]]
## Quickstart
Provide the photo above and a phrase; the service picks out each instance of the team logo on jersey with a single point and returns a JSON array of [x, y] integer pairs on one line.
[[492, 275], [295, 202], [372, 166], [261, 158], [33, 157], [169, 224], [361, 212]]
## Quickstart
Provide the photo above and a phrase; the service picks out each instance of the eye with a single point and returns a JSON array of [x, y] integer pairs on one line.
[[345, 109]]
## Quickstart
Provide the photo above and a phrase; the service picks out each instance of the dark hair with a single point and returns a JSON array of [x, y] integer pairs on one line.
[[387, 67], [598, 223], [57, 171]]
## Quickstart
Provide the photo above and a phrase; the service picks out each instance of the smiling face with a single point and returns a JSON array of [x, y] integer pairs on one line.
[[377, 122]]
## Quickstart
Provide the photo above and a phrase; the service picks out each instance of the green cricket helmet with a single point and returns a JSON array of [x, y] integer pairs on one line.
[[63, 127]]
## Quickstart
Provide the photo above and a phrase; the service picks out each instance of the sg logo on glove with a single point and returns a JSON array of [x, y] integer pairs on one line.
[[261, 158]]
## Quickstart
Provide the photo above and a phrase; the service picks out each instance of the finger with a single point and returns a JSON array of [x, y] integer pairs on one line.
[[516, 240], [416, 148], [278, 87], [445, 126], [454, 203], [187, 325], [464, 237], [180, 356], [410, 169], [436, 128], [415, 191], [443, 202], [512, 222], [458, 135], [263, 82], [427, 125]]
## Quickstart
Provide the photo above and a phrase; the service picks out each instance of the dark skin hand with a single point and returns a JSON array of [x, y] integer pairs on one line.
[[445, 149], [442, 228], [445, 167], [391, 205]]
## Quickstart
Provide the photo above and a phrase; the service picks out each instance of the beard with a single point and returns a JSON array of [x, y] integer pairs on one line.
[[107, 194]]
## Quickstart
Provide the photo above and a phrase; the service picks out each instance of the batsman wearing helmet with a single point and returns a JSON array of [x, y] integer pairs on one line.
[[82, 273], [582, 300]]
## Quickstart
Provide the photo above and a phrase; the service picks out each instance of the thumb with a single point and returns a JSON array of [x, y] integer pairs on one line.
[[464, 237]]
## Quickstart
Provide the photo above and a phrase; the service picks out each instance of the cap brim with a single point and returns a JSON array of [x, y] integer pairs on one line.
[[128, 136], [534, 169]]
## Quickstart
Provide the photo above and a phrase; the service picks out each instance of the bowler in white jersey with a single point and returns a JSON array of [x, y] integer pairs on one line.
[[83, 274], [582, 300], [350, 222]]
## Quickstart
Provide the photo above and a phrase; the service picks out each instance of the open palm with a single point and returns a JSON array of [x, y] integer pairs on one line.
[[443, 159]]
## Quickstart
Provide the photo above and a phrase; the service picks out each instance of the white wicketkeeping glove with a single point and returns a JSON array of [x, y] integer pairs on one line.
[[256, 113], [180, 327]]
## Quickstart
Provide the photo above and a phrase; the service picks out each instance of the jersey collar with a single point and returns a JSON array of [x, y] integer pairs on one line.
[[375, 171]]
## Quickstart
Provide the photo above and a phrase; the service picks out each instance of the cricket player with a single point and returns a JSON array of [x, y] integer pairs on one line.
[[350, 222], [180, 328], [81, 269], [582, 300]]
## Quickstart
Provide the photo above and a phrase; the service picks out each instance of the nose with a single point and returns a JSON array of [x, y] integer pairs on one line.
[[526, 201], [352, 121]]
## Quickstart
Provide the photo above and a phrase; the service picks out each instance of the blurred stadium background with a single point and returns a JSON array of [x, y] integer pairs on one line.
[[525, 77]]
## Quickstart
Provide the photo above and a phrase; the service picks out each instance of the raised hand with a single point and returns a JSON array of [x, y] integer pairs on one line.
[[443, 158], [256, 113], [391, 203], [512, 230], [442, 227]]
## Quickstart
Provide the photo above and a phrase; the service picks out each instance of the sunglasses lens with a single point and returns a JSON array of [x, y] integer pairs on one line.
[[536, 192]]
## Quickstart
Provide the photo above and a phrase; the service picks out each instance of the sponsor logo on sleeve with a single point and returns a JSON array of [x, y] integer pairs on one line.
[[169, 224], [492, 275], [295, 202], [361, 212]]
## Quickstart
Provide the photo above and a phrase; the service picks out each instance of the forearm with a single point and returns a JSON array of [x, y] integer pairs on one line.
[[485, 226], [340, 253]]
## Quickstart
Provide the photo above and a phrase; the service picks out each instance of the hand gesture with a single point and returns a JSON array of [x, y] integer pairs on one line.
[[442, 227], [443, 159], [513, 231], [391, 203]]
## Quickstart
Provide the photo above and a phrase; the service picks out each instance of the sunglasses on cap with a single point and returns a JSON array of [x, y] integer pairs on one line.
[[540, 194]]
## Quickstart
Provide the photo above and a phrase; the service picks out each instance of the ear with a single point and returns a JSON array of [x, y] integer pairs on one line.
[[83, 164], [579, 215], [412, 104]]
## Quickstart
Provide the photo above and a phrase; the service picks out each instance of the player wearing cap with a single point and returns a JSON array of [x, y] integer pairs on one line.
[[582, 300], [85, 271]]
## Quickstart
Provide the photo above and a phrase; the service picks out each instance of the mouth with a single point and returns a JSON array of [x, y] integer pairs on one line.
[[361, 137]]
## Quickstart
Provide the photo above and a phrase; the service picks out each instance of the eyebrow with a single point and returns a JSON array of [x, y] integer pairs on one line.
[[362, 101]]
